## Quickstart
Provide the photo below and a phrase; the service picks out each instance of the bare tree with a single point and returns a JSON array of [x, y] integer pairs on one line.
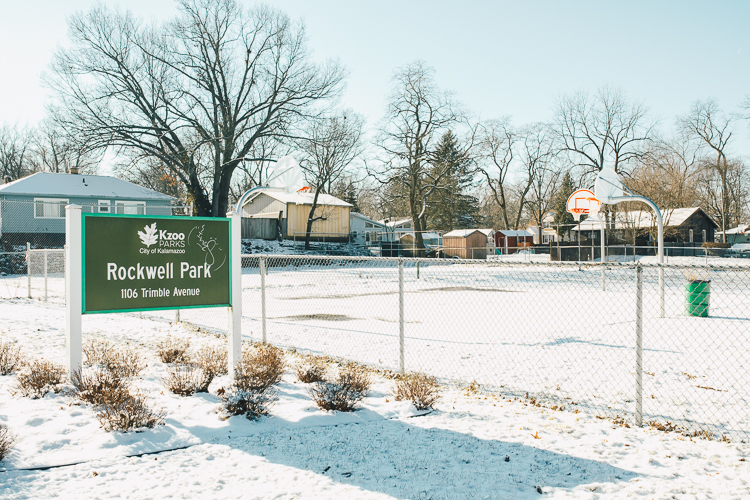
[[196, 93], [543, 174], [57, 151], [418, 114], [497, 145], [707, 123], [332, 144], [604, 130], [17, 158]]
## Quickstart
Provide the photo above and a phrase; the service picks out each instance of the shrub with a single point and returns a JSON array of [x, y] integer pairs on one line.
[[344, 392], [252, 392], [98, 386], [715, 244], [262, 366], [212, 359], [421, 389], [96, 351], [173, 350], [40, 377], [310, 370], [186, 380], [11, 358], [123, 362], [128, 412], [7, 439]]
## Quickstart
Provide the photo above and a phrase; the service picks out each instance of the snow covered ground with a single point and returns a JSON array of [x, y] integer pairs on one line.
[[475, 445]]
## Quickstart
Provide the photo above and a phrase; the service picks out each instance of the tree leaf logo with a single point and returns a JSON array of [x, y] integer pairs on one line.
[[149, 236]]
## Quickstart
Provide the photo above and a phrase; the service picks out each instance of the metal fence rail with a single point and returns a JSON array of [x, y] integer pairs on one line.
[[546, 329]]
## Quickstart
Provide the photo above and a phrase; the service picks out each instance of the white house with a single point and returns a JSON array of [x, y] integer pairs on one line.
[[364, 230]]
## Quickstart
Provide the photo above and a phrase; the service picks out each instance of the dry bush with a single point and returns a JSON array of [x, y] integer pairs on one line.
[[186, 380], [40, 377], [96, 351], [310, 370], [11, 358], [421, 389], [252, 403], [262, 366], [128, 412], [123, 362], [173, 350], [213, 359], [98, 386], [344, 392], [7, 439], [252, 392]]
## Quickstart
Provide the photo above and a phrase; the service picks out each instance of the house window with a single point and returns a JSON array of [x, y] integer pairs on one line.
[[104, 206], [704, 236], [690, 233], [49, 208], [130, 207], [369, 224]]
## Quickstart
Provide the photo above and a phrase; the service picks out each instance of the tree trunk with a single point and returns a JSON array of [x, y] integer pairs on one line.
[[311, 218]]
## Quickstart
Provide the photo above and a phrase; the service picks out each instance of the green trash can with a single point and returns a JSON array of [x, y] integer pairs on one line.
[[697, 298]]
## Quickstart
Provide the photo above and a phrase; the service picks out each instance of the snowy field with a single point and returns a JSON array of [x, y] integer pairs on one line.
[[545, 330], [474, 445]]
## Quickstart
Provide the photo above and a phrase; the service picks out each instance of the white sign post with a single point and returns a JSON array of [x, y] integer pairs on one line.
[[73, 287], [234, 326]]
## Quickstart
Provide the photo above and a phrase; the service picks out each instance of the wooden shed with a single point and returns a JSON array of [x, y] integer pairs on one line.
[[294, 209], [510, 241], [468, 243]]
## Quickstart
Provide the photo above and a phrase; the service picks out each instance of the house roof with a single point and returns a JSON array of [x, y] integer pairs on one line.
[[300, 198], [463, 233], [365, 218], [514, 232], [91, 186], [643, 219], [741, 229], [394, 223]]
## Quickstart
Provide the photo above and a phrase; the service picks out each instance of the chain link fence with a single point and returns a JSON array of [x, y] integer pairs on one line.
[[574, 335], [565, 334]]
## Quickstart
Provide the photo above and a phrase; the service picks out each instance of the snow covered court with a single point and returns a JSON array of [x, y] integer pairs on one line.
[[551, 412]]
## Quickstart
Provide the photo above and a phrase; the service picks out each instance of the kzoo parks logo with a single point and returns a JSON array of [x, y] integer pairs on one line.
[[176, 243]]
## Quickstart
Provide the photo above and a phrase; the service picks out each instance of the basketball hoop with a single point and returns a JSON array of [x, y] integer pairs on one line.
[[582, 202]]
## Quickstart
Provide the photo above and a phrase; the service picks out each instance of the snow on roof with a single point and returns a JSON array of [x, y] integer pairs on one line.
[[463, 233], [741, 229], [515, 232], [643, 219], [93, 186], [365, 218], [300, 198], [394, 223]]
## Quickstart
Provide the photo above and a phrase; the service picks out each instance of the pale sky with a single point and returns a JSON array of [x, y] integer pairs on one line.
[[499, 57]]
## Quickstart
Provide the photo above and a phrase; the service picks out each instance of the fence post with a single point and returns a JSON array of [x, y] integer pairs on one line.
[[28, 268], [262, 269], [638, 345], [45, 275], [401, 362]]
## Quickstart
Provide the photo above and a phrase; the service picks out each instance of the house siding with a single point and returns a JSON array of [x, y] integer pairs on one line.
[[336, 224]]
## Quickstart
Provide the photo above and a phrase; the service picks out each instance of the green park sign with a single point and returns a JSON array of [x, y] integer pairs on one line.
[[141, 262]]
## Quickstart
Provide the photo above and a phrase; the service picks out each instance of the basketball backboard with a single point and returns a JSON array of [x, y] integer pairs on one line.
[[608, 186]]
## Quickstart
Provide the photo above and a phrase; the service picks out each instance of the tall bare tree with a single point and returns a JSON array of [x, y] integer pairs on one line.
[[418, 113], [707, 123], [196, 93], [58, 151], [497, 145], [331, 145], [538, 153], [604, 130]]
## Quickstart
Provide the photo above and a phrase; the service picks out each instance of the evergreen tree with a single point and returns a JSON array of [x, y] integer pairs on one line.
[[564, 220], [450, 206]]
